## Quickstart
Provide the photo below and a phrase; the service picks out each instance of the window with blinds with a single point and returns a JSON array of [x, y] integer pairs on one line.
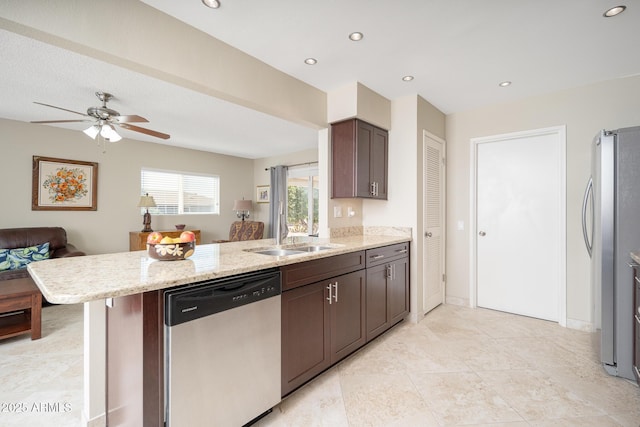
[[178, 193]]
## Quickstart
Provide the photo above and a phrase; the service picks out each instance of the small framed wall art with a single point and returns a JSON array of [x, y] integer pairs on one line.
[[64, 185], [263, 194]]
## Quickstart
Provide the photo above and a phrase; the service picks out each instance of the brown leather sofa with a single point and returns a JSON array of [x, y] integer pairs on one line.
[[12, 238]]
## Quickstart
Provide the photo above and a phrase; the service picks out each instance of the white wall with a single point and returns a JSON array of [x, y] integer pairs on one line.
[[107, 229], [584, 111]]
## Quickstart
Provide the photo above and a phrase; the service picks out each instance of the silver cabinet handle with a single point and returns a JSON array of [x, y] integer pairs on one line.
[[336, 288], [330, 293], [401, 251], [482, 233], [379, 256], [428, 234]]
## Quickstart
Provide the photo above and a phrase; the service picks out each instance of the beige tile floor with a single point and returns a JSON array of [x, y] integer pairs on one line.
[[459, 366]]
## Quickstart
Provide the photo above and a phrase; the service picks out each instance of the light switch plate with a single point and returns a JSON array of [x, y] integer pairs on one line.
[[337, 211]]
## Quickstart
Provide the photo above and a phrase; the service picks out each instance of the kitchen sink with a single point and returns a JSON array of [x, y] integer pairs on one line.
[[313, 248], [278, 252], [290, 250]]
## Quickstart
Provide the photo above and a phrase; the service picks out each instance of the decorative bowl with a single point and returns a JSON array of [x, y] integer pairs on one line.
[[180, 227], [171, 251]]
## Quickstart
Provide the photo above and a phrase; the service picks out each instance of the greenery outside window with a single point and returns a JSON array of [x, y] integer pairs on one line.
[[302, 201], [180, 193]]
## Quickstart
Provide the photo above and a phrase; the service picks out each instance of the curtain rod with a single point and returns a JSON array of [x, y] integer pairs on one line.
[[297, 164]]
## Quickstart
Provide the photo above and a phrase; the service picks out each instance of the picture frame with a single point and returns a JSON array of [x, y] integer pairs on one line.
[[263, 194], [64, 185]]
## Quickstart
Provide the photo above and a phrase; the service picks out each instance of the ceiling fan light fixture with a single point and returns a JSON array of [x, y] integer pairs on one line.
[[614, 11], [213, 4], [109, 132], [92, 131]]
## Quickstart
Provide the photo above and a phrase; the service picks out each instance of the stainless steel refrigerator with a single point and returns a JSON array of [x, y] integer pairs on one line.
[[611, 227]]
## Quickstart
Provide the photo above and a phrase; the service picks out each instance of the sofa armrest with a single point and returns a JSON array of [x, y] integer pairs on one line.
[[68, 251]]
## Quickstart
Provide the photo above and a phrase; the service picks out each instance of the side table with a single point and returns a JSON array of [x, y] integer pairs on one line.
[[23, 297]]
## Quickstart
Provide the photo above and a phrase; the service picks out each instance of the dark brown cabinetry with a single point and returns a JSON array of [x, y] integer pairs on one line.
[[324, 321], [359, 160], [636, 322], [387, 296]]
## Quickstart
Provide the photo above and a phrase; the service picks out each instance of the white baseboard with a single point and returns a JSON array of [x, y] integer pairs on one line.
[[580, 325], [457, 301]]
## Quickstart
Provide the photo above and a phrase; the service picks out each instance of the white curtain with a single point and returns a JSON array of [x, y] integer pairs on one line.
[[278, 194]]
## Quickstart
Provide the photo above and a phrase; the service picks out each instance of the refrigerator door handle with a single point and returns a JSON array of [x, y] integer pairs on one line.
[[588, 196]]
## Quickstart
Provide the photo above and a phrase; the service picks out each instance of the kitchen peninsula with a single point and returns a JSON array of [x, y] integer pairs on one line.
[[133, 285]]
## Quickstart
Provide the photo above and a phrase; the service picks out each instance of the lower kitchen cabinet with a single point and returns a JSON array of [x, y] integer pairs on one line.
[[321, 323], [387, 294]]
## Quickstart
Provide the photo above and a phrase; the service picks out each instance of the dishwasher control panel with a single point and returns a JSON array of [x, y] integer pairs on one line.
[[197, 300]]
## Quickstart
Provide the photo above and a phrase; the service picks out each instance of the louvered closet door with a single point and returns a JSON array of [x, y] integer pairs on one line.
[[433, 249]]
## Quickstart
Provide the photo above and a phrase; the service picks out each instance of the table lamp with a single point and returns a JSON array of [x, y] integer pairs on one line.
[[147, 201]]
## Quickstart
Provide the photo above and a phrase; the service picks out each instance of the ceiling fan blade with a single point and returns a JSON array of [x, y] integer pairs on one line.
[[129, 119], [145, 131], [60, 121], [60, 108]]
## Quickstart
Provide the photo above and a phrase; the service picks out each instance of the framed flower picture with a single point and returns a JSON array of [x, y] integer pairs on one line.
[[65, 185]]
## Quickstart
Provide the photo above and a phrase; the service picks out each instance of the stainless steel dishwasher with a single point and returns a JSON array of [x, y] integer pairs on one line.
[[222, 350]]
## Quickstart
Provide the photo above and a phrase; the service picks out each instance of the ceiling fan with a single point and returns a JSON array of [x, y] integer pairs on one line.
[[105, 118]]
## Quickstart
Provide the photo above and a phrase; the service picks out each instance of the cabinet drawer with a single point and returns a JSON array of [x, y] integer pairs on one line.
[[384, 254], [304, 273]]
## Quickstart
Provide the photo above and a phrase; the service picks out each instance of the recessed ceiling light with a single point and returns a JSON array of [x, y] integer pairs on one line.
[[213, 4], [311, 61], [504, 83], [356, 37], [614, 11], [407, 78]]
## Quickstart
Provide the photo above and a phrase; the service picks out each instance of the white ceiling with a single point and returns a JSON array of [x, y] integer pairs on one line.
[[457, 50]]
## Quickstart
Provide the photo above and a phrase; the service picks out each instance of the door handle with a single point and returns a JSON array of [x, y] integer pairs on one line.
[[330, 293], [482, 233], [588, 196], [428, 234], [336, 294]]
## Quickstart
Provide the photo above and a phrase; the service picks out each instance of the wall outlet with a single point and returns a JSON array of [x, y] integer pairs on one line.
[[337, 211]]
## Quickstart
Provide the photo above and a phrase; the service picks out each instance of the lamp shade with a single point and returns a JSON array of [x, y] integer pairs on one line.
[[147, 201], [242, 205]]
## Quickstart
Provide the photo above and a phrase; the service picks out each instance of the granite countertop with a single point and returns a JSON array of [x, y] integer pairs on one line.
[[636, 256], [93, 277]]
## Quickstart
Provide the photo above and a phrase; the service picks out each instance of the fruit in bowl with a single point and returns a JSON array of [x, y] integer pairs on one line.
[[165, 248]]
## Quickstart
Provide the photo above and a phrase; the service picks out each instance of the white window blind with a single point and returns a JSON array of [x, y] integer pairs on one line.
[[181, 193]]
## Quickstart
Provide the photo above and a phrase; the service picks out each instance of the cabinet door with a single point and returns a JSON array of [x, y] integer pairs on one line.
[[398, 291], [378, 162], [347, 314], [365, 135], [305, 335], [376, 301]]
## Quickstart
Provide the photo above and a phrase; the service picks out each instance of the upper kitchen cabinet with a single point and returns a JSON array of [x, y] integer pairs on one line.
[[359, 160]]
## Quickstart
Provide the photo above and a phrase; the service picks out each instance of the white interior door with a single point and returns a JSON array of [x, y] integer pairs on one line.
[[520, 243], [434, 242]]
